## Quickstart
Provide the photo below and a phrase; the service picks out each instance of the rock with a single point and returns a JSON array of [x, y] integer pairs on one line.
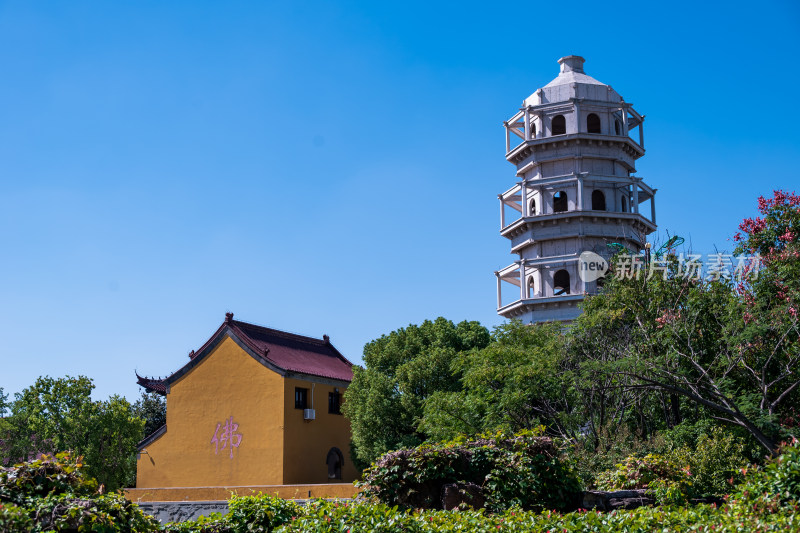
[[619, 499], [630, 503]]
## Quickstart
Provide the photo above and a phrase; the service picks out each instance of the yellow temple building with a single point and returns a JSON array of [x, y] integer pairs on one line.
[[253, 407]]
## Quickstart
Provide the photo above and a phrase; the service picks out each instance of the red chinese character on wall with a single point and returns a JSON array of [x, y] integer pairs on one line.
[[229, 437]]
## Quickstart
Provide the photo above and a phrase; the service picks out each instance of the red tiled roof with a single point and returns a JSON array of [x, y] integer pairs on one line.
[[286, 351], [152, 384], [295, 353]]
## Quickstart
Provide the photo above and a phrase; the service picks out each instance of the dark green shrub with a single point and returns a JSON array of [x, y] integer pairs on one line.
[[53, 493], [655, 472], [714, 464], [342, 517], [213, 523], [259, 514], [517, 471], [616, 443], [360, 517], [13, 518], [776, 483], [59, 474], [104, 513]]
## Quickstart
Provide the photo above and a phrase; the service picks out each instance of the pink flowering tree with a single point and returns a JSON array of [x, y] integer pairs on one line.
[[770, 336], [731, 348]]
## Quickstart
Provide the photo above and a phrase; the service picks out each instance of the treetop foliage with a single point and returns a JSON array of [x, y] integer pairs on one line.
[[522, 470], [58, 414], [650, 356], [385, 400]]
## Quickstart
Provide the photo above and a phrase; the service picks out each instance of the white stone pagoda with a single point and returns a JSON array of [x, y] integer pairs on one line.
[[576, 192]]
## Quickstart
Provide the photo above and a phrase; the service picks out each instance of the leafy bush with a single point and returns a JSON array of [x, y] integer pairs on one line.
[[213, 523], [715, 463], [767, 501], [777, 482], [523, 471], [104, 513], [362, 517], [259, 514], [616, 443], [44, 476], [655, 472], [13, 518], [53, 493]]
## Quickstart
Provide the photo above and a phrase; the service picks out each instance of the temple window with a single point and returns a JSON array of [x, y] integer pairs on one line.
[[559, 202], [558, 125], [598, 201], [335, 402], [561, 283], [593, 123], [300, 398]]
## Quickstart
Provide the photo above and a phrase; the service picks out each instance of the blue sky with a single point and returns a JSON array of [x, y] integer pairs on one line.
[[332, 168]]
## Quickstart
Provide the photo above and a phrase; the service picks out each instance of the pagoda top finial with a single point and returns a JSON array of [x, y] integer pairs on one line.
[[571, 64]]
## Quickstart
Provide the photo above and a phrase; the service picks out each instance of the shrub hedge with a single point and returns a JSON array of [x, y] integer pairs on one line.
[[523, 471], [53, 493], [766, 501]]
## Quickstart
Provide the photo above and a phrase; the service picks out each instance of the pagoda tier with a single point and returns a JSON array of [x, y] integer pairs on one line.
[[576, 191]]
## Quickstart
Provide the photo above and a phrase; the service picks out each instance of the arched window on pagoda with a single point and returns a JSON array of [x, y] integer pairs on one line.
[[561, 283], [558, 125], [593, 123], [559, 202], [598, 200]]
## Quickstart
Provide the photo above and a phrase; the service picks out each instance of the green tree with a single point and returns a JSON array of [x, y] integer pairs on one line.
[[152, 408], [730, 351], [59, 415], [611, 340], [769, 332], [519, 381], [385, 400], [3, 403]]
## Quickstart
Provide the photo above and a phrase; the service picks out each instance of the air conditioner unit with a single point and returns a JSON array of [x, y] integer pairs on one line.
[[309, 414]]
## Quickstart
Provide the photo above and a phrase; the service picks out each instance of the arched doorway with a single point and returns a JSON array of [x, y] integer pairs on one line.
[[334, 461]]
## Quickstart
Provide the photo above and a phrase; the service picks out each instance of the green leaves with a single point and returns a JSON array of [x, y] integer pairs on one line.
[[55, 493], [56, 415], [521, 470], [361, 517], [385, 401], [520, 380], [152, 408]]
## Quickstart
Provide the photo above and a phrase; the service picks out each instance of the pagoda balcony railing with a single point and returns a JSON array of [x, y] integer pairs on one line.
[[529, 281], [528, 124], [528, 199]]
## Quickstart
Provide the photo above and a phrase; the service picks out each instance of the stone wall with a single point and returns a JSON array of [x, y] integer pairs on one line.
[[182, 511]]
